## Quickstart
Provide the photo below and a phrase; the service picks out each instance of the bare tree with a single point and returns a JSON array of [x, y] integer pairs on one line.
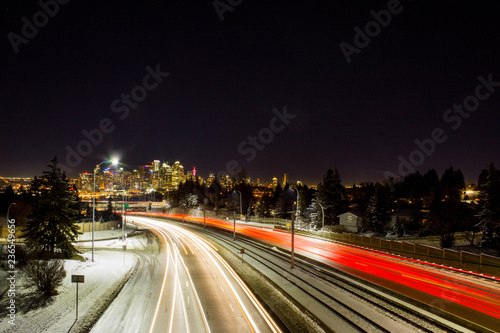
[[46, 275]]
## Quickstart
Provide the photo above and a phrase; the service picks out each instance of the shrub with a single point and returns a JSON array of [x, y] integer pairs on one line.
[[46, 275]]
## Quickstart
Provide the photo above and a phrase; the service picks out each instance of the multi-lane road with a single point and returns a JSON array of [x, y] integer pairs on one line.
[[472, 298], [187, 287]]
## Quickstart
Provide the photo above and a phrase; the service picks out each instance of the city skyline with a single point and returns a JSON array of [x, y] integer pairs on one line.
[[187, 173]]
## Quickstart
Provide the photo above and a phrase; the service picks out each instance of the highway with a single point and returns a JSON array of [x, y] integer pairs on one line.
[[187, 287], [472, 298]]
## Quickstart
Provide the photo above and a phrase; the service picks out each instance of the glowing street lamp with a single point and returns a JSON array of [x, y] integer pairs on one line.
[[241, 206], [241, 213], [114, 161]]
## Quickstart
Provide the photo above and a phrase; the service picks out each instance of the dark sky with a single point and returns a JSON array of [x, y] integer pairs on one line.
[[226, 77]]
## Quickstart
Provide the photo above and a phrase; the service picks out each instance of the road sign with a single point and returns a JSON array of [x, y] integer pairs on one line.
[[78, 278], [126, 205]]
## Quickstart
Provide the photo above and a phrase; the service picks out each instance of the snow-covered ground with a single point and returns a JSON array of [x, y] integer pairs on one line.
[[103, 279]]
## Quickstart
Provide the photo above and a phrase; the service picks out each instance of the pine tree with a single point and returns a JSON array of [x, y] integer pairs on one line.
[[52, 224], [489, 212], [263, 207], [109, 215], [332, 196], [377, 214], [447, 213], [452, 184]]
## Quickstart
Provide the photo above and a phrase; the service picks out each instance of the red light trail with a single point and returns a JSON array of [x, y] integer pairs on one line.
[[476, 300]]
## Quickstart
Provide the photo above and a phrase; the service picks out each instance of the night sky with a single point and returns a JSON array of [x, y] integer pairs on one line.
[[226, 77]]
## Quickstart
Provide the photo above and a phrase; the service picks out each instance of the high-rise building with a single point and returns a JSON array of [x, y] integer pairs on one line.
[[275, 182], [177, 175], [285, 179], [86, 182], [156, 166], [210, 179]]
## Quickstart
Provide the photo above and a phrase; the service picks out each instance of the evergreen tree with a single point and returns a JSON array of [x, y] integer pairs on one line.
[[108, 214], [213, 194], [452, 184], [431, 187], [284, 199], [246, 197], [446, 218], [305, 199], [448, 214], [412, 187], [6, 199], [377, 213], [52, 224], [332, 196], [489, 211], [264, 206]]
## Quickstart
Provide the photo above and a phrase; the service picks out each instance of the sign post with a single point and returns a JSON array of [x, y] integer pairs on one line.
[[77, 279], [242, 251], [124, 249]]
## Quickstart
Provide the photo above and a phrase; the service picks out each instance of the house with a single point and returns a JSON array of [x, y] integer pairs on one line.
[[407, 216], [351, 222]]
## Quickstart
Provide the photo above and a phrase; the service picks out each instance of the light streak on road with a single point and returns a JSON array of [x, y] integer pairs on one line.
[[170, 256], [236, 292], [163, 285], [477, 301]]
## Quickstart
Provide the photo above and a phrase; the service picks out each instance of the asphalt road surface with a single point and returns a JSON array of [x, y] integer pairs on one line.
[[185, 287]]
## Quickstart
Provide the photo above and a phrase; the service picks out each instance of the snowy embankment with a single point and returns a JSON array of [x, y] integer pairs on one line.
[[104, 279]]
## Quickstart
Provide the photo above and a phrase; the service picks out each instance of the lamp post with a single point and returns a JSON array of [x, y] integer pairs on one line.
[[241, 206], [93, 202], [293, 229], [234, 217], [124, 218]]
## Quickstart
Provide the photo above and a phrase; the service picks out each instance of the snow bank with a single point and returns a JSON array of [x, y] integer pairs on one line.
[[104, 278]]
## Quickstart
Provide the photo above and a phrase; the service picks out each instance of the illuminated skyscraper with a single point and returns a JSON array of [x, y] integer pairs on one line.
[[156, 166], [177, 175]]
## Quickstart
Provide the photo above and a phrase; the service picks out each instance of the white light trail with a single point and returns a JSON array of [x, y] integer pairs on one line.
[[222, 267]]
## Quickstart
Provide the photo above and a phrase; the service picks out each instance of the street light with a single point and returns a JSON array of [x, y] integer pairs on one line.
[[297, 207], [113, 161], [241, 206], [234, 217], [124, 218], [293, 229]]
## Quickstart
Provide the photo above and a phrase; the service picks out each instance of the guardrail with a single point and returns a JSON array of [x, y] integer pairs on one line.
[[478, 263]]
